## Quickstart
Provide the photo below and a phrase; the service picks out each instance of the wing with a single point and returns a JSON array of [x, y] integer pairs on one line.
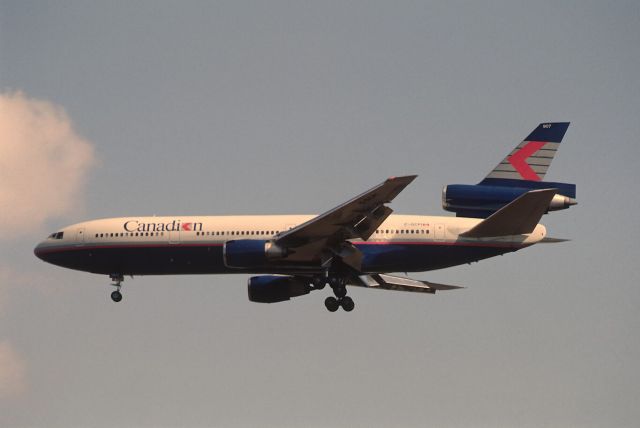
[[357, 218]]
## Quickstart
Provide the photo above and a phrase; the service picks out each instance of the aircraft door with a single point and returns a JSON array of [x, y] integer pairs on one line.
[[439, 232], [174, 236], [80, 235]]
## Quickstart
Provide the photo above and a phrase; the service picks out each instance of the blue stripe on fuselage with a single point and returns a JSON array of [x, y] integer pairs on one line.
[[166, 259]]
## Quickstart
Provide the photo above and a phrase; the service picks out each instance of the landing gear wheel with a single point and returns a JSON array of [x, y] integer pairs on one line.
[[116, 296], [332, 304], [347, 303], [117, 279]]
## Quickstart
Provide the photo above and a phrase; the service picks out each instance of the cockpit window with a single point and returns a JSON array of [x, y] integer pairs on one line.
[[56, 235]]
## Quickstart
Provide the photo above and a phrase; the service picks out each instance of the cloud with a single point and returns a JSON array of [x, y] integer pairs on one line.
[[43, 163], [43, 168], [12, 372]]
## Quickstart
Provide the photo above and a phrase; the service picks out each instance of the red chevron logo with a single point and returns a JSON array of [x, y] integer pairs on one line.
[[186, 227], [519, 160]]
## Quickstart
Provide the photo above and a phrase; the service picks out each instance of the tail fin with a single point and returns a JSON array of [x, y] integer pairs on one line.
[[520, 172], [516, 218], [531, 159]]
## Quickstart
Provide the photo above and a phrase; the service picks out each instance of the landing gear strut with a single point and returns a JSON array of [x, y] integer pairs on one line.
[[117, 279]]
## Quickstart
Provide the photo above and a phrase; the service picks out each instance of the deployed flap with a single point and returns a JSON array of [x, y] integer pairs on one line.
[[390, 282], [517, 218], [357, 218]]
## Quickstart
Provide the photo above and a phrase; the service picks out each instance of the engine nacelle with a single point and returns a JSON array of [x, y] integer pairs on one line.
[[482, 200], [250, 253], [272, 288]]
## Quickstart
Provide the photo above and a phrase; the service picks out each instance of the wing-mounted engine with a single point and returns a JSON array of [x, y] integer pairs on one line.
[[251, 253], [482, 200], [273, 288]]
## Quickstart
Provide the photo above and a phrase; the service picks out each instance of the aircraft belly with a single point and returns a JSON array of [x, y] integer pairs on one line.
[[417, 257], [143, 260], [207, 259]]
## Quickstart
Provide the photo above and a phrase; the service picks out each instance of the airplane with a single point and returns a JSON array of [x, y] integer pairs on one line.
[[358, 243]]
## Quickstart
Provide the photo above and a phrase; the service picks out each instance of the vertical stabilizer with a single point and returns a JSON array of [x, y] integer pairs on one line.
[[531, 159]]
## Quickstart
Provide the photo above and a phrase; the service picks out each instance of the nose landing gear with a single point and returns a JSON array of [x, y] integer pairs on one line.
[[117, 279]]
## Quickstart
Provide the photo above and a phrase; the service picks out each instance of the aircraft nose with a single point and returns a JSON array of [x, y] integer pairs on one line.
[[38, 251]]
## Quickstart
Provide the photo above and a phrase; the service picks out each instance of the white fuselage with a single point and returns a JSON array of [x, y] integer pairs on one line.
[[192, 244]]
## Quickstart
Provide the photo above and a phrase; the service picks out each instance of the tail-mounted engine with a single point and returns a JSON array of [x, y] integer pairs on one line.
[[482, 200]]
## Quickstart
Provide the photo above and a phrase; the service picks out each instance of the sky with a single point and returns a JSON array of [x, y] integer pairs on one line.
[[174, 108]]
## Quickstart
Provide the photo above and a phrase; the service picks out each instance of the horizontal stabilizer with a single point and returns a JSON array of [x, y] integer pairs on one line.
[[400, 283], [517, 218]]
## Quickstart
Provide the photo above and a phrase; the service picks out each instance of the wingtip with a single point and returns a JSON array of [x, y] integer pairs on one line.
[[550, 240], [409, 178]]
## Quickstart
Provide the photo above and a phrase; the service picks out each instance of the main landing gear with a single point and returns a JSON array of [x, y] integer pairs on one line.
[[332, 304], [117, 279], [341, 300]]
